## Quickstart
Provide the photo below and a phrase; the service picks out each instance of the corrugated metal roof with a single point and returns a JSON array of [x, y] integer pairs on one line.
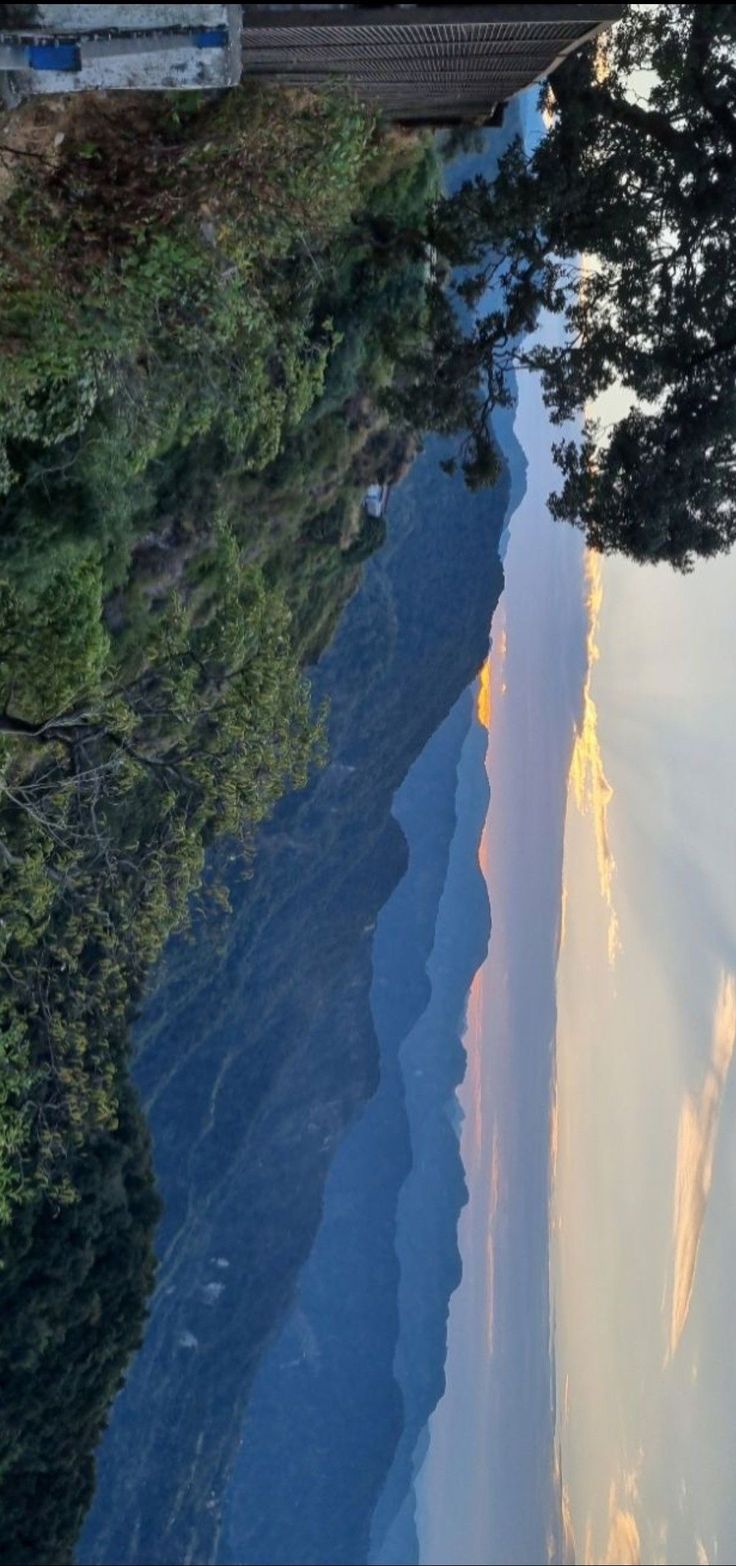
[[414, 65]]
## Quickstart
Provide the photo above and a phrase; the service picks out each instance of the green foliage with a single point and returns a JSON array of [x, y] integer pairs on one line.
[[165, 303], [16, 1087], [194, 333], [195, 320], [53, 645], [201, 277], [450, 383], [127, 786], [646, 192], [74, 1284], [656, 311]]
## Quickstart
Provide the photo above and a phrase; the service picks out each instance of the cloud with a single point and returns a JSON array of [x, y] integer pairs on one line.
[[568, 1530], [630, 1483], [495, 1198], [484, 696], [702, 1553], [495, 1174], [696, 1139], [490, 1293], [624, 1544], [554, 1136], [590, 786]]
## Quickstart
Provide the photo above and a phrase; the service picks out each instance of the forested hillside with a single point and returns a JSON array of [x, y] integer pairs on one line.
[[197, 331]]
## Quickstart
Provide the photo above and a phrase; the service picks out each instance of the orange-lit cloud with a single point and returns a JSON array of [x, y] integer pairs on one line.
[[488, 677], [568, 1531], [696, 1139], [484, 700], [624, 1544], [554, 1136], [563, 917], [566, 1402], [588, 1551], [590, 786], [503, 643], [623, 1547]]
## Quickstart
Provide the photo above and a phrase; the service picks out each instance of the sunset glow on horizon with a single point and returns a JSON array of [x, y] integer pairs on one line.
[[589, 784], [483, 703], [472, 1092], [498, 1383], [639, 1206], [471, 1096], [696, 1138]]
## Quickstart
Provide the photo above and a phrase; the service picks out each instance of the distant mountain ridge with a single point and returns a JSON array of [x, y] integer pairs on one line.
[[241, 1051], [327, 1412], [257, 1057]]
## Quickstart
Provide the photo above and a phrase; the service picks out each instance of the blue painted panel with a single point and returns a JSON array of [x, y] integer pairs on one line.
[[214, 38], [54, 57]]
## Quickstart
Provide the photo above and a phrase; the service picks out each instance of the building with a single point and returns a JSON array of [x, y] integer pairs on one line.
[[431, 64], [375, 499]]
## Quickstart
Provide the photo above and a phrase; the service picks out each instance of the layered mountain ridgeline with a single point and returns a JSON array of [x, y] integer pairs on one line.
[[195, 339], [342, 1398], [427, 1206], [255, 1058], [329, 1407], [433, 1064]]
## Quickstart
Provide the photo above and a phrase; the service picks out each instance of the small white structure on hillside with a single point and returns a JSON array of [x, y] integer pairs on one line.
[[375, 499]]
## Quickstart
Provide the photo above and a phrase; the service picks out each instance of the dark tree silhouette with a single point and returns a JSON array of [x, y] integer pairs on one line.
[[623, 222]]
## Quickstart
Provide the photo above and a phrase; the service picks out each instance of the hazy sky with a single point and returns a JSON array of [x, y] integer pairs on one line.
[[641, 1097], [646, 1174], [485, 1491], [643, 1132]]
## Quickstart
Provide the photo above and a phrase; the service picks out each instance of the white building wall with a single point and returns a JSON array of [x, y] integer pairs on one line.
[[93, 18]]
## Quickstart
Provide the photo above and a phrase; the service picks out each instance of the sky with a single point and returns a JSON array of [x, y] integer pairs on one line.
[[486, 1489], [644, 1220], [640, 1096], [640, 1134]]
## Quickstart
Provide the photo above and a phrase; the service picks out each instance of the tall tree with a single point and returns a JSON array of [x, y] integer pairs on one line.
[[112, 784], [623, 221]]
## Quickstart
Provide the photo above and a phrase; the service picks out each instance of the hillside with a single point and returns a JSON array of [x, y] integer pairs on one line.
[[195, 338]]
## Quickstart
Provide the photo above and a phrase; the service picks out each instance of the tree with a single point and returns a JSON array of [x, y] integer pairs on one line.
[[647, 188], [215, 715], [74, 1287], [642, 186], [107, 804]]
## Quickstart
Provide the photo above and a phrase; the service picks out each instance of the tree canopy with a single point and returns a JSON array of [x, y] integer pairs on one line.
[[622, 222], [130, 774], [188, 420], [74, 1287], [194, 328]]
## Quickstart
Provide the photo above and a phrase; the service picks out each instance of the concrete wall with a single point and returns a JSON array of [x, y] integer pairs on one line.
[[86, 18], [155, 60]]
